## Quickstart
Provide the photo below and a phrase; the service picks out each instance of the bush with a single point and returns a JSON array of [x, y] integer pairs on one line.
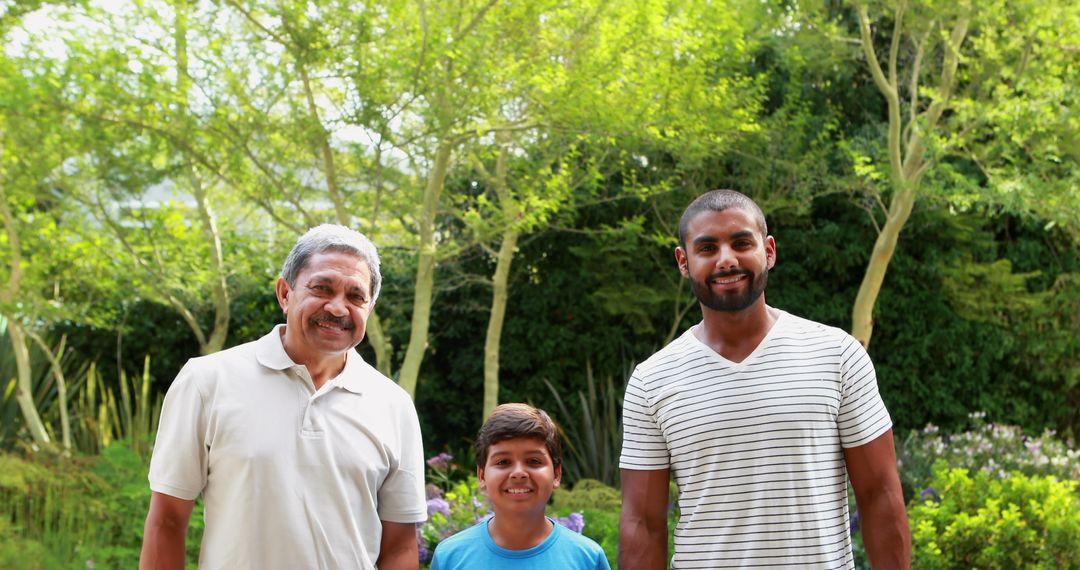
[[587, 494], [987, 522], [991, 448], [85, 512]]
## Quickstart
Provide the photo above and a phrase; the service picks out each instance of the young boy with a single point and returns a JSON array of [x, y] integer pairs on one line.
[[519, 464]]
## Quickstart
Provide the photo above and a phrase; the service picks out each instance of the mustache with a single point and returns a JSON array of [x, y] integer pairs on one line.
[[343, 322]]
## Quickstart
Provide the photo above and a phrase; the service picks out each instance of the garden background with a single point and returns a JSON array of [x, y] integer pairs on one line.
[[522, 166]]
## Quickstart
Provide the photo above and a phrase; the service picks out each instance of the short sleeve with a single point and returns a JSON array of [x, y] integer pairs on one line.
[[178, 466], [862, 417], [401, 495], [644, 447], [602, 562]]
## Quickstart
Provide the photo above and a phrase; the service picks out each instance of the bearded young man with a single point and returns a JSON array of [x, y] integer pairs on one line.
[[304, 454], [760, 417]]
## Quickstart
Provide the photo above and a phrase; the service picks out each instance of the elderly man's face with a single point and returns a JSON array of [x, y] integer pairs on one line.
[[327, 309]]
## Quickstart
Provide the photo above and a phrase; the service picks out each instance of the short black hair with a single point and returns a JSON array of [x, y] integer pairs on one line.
[[718, 201], [510, 421]]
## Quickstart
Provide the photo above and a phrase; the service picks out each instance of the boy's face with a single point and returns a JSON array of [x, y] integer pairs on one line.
[[519, 476]]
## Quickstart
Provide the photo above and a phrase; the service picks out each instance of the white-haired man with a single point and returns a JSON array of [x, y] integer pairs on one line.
[[305, 455]]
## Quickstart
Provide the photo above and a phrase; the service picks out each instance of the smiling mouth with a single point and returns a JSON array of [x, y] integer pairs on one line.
[[728, 280], [332, 323], [517, 491]]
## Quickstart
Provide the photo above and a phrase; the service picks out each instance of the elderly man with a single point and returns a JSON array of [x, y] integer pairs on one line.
[[305, 455]]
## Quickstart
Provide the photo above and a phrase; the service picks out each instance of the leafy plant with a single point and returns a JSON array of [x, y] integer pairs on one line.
[[995, 449], [593, 432], [983, 521]]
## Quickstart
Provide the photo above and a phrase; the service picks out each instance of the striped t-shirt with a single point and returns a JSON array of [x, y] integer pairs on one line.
[[756, 447]]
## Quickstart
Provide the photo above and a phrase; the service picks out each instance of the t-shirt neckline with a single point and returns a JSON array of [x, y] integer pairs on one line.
[[781, 319], [528, 552]]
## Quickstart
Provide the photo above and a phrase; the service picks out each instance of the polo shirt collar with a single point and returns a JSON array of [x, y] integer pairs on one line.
[[270, 352]]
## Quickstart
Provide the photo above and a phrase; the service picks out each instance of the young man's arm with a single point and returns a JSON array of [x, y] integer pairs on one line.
[[872, 468], [165, 533], [643, 523], [398, 549]]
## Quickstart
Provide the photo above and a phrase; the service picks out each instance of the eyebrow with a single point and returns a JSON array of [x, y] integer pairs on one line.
[[322, 279], [529, 452]]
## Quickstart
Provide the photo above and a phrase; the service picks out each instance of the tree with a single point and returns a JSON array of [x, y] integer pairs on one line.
[[977, 112]]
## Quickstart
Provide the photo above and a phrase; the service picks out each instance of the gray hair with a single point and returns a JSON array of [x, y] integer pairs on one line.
[[718, 201], [330, 237]]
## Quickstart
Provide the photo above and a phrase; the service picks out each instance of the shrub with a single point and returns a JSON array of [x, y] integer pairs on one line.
[[991, 448], [85, 511], [987, 522], [587, 494]]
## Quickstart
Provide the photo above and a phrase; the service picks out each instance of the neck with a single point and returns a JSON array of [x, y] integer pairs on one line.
[[321, 368], [734, 335], [519, 532]]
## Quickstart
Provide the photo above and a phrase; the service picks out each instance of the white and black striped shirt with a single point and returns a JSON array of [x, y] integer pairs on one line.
[[756, 447]]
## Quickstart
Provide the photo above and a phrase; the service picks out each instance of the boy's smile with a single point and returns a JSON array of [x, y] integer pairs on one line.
[[519, 476]]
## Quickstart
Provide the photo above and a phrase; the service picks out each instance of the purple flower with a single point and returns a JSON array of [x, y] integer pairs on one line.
[[433, 491], [854, 522], [929, 494], [421, 544], [440, 461], [438, 505], [574, 522]]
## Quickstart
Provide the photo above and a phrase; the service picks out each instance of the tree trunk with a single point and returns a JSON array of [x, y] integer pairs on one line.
[[493, 340], [425, 271], [208, 226], [24, 391], [862, 314], [380, 343]]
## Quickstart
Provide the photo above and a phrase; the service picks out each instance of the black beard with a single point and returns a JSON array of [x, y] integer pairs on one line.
[[730, 303]]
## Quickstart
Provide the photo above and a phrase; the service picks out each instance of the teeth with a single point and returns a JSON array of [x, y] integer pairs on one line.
[[728, 280], [518, 491]]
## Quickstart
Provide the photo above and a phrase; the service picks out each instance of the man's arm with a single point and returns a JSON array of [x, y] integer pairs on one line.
[[643, 523], [872, 468], [165, 533], [398, 549]]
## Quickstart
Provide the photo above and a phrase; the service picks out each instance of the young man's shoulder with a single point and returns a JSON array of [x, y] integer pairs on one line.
[[794, 325], [675, 352]]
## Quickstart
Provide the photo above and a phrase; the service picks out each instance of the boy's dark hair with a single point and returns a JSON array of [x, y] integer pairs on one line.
[[718, 201], [509, 421]]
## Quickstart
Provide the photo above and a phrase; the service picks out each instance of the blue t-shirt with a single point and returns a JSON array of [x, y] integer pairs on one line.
[[473, 548]]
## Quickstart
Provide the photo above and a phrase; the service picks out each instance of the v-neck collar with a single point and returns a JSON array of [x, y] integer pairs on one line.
[[781, 320]]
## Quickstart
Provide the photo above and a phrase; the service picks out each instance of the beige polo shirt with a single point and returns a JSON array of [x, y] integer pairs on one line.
[[291, 477]]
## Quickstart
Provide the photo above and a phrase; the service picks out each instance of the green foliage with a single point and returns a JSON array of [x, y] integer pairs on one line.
[[593, 432], [83, 511], [991, 522], [586, 494], [990, 448]]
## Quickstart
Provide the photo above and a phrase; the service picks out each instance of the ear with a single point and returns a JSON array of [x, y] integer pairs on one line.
[[282, 292], [770, 251], [480, 477], [681, 261], [558, 475]]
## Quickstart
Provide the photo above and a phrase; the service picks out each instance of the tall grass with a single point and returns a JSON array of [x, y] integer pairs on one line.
[[80, 507], [592, 431]]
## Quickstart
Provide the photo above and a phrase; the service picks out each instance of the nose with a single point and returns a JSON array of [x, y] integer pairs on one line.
[[336, 306], [726, 258], [518, 472]]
